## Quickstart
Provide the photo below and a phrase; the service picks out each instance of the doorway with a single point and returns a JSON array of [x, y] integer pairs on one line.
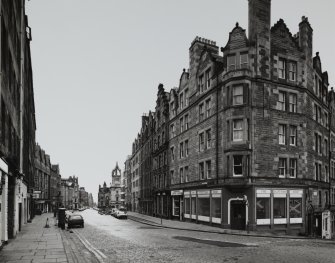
[[237, 215], [20, 216]]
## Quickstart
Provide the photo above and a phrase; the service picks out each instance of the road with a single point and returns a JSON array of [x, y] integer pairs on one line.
[[117, 240]]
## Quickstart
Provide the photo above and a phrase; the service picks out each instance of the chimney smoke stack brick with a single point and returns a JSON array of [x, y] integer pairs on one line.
[[260, 34]]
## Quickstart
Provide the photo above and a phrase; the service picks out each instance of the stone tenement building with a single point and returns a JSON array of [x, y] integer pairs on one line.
[[17, 120], [251, 132], [55, 186]]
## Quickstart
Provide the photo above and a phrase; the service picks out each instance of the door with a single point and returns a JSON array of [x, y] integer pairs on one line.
[[20, 216], [237, 215]]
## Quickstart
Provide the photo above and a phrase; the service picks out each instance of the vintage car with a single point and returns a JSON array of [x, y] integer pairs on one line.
[[75, 220]]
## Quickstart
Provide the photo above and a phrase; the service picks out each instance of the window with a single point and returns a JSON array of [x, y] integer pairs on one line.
[[186, 120], [181, 174], [293, 102], [172, 130], [293, 168], [231, 62], [172, 153], [263, 208], [186, 97], [186, 174], [181, 150], [201, 112], [237, 130], [171, 175], [208, 169], [317, 141], [282, 167], [292, 71], [326, 174], [208, 108], [293, 135], [186, 148], [201, 170], [208, 138], [201, 83], [279, 208], [244, 60], [281, 68], [237, 95], [238, 165], [172, 109], [201, 141], [181, 124], [282, 134], [282, 100], [208, 79], [325, 148], [181, 100], [318, 172]]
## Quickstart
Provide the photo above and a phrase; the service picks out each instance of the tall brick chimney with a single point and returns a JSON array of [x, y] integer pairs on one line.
[[260, 34], [259, 19], [306, 37]]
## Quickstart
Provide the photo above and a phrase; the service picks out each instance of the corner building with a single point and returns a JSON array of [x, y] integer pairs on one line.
[[250, 139]]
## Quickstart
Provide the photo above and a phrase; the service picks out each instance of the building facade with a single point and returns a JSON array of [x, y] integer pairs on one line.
[[55, 187], [127, 183], [251, 132], [42, 181]]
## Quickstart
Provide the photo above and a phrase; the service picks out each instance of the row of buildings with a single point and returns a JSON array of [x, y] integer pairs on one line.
[[29, 183], [247, 139]]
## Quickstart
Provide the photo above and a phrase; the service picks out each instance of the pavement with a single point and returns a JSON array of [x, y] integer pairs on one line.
[[190, 226], [37, 243]]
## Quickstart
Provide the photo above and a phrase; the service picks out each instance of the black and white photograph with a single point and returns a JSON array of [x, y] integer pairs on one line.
[[167, 131]]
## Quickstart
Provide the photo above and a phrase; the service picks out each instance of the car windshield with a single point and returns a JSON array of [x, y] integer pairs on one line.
[[123, 209], [76, 217]]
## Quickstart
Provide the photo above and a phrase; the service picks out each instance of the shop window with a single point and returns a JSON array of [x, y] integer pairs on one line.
[[216, 208], [193, 206], [263, 210], [295, 208], [279, 210], [176, 206], [187, 202], [203, 208]]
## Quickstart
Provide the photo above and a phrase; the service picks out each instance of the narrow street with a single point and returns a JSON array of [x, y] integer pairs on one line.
[[130, 241]]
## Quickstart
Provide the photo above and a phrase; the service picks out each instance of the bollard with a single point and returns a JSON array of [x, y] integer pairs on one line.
[[47, 223]]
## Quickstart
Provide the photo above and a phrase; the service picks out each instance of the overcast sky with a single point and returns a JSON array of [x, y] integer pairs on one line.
[[97, 65]]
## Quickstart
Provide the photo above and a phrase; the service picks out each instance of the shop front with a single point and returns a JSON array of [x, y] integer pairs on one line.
[[279, 209], [3, 201]]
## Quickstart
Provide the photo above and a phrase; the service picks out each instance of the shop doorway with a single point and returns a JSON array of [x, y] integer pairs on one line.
[[237, 215]]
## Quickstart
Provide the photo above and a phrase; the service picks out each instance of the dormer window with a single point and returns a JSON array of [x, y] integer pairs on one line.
[[231, 62], [244, 60]]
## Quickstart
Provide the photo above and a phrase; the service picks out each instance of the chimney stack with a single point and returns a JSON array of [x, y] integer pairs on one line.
[[306, 37]]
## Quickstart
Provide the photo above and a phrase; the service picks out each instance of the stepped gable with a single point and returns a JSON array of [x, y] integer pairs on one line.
[[281, 30]]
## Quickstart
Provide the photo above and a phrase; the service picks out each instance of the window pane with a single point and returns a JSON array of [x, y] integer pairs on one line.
[[295, 207], [203, 206], [238, 95], [279, 207], [176, 206], [231, 62], [263, 208], [216, 207], [194, 206], [187, 202], [238, 165]]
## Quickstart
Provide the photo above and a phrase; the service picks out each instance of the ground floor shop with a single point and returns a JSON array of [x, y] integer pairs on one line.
[[3, 201], [162, 205], [253, 208]]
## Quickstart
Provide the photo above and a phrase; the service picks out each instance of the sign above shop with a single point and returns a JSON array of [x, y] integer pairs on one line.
[[177, 192]]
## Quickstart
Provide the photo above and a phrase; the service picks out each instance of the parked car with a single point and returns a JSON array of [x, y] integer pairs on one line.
[[121, 213], [75, 220], [113, 211]]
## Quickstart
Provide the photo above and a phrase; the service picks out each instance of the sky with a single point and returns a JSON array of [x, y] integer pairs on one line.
[[97, 65]]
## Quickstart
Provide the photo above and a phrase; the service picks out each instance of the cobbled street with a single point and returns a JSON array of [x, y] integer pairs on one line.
[[130, 241]]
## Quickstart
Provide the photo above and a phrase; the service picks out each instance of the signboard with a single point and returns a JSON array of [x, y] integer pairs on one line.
[[177, 192], [36, 196]]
